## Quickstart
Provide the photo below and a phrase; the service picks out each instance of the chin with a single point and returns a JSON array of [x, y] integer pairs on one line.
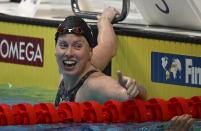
[[71, 73]]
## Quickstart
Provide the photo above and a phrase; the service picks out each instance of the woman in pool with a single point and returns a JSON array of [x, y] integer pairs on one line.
[[104, 51], [78, 61]]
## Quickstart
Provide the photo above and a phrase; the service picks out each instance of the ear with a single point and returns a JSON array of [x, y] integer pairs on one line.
[[90, 53], [55, 52]]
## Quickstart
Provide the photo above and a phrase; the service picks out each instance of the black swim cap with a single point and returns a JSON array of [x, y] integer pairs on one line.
[[75, 25]]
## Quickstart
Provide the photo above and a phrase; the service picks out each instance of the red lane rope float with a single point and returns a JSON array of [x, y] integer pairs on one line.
[[6, 116], [69, 112], [196, 106], [160, 109], [112, 111], [46, 113], [92, 112], [134, 110], [24, 114]]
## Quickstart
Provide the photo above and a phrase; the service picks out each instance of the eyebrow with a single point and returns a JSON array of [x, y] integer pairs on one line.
[[78, 41], [64, 42], [73, 42]]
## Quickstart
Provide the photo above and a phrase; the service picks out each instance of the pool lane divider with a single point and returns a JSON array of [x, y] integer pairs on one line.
[[112, 111]]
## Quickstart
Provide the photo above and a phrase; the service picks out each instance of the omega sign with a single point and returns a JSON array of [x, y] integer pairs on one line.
[[21, 50]]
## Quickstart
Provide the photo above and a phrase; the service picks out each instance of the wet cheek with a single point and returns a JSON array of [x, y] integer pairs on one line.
[[59, 52], [59, 56], [59, 60]]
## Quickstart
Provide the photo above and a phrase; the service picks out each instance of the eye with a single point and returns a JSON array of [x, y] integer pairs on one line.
[[63, 44], [77, 46]]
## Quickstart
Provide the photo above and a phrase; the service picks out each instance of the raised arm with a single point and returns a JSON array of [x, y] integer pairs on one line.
[[107, 41]]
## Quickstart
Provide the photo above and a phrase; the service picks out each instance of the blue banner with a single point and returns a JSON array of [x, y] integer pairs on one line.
[[176, 69]]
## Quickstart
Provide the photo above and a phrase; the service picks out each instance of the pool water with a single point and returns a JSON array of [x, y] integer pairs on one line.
[[147, 126], [89, 127]]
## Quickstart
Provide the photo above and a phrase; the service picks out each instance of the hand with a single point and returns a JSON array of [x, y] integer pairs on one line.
[[110, 13], [130, 84], [181, 123]]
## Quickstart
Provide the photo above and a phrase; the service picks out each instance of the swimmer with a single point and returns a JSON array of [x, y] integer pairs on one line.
[[102, 53], [79, 62]]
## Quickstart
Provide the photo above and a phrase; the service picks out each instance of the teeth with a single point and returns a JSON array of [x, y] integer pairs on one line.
[[69, 62]]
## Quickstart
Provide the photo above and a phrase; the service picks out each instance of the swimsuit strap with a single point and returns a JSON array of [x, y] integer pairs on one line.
[[63, 95], [72, 93]]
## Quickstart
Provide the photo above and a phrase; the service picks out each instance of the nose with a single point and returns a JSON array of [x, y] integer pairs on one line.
[[69, 51]]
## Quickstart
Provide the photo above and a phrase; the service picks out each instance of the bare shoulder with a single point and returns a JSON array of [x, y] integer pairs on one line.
[[101, 80], [101, 88]]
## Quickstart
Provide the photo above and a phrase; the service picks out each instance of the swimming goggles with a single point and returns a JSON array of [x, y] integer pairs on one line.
[[76, 30]]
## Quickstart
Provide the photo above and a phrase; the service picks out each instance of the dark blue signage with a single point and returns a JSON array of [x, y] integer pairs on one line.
[[176, 69]]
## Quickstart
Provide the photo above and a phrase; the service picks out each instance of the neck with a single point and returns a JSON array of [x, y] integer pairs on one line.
[[70, 81]]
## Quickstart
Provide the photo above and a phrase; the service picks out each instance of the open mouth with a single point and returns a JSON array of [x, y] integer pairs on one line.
[[69, 63]]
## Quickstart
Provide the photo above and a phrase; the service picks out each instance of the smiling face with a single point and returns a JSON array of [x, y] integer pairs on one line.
[[73, 54]]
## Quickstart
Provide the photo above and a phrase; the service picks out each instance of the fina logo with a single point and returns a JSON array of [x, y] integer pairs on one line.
[[193, 73], [174, 69]]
